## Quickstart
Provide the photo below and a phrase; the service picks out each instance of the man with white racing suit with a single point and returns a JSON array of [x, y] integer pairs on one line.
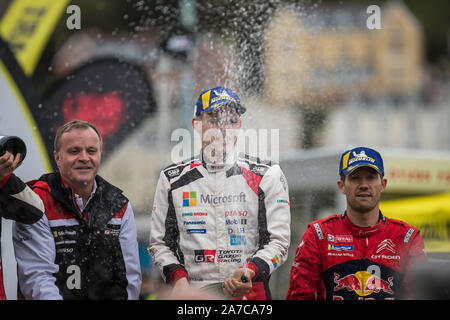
[[220, 218]]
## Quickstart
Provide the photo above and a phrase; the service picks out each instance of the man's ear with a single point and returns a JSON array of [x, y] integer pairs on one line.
[[383, 184], [197, 125], [56, 157], [341, 186]]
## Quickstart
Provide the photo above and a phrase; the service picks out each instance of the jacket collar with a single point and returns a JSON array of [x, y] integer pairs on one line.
[[364, 231], [105, 196]]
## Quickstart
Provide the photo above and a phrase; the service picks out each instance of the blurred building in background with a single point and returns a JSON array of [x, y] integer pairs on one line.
[[333, 55]]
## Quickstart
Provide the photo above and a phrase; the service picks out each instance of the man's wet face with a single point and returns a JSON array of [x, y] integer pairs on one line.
[[219, 132], [363, 188]]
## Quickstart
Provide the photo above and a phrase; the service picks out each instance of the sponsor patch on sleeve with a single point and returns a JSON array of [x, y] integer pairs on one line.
[[408, 235], [318, 230]]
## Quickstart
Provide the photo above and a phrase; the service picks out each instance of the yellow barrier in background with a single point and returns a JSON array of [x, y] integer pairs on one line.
[[430, 214]]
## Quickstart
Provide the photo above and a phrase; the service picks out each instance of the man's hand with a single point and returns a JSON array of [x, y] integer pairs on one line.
[[182, 290], [181, 284], [234, 287], [8, 164]]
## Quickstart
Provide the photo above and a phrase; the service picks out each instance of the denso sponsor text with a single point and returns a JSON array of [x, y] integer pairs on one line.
[[236, 213], [212, 199]]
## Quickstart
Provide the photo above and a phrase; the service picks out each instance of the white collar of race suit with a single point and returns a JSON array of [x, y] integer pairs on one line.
[[211, 166]]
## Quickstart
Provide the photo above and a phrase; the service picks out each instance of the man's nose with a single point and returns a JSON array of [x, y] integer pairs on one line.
[[364, 184], [83, 156]]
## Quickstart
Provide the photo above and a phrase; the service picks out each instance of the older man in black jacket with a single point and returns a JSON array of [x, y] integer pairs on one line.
[[85, 246]]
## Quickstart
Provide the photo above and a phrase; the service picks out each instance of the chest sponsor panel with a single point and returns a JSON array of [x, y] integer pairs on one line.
[[66, 241], [68, 237], [381, 250], [339, 245], [229, 216]]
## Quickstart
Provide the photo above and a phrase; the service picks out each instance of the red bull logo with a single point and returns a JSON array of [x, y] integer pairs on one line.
[[363, 283]]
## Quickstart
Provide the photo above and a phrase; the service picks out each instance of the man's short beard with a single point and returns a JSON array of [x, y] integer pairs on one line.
[[361, 208]]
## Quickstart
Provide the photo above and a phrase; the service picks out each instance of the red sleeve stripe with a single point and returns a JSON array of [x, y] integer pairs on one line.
[[119, 215], [3, 181], [252, 179]]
